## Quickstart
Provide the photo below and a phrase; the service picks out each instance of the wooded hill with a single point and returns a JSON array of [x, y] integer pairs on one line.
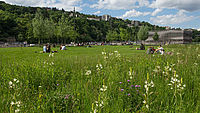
[[42, 25]]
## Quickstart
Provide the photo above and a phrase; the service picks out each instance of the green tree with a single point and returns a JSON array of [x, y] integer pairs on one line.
[[143, 33], [112, 36], [50, 29], [38, 27], [156, 37], [65, 31], [124, 34]]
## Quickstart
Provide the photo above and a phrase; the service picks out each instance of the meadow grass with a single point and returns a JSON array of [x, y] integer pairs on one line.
[[116, 79]]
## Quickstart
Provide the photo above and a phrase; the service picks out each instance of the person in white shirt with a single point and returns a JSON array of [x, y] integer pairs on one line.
[[44, 49], [63, 47], [160, 50]]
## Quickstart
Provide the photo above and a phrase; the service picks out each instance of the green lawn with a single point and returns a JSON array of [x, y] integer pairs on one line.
[[84, 80]]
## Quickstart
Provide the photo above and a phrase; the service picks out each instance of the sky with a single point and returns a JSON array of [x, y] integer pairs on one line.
[[172, 13]]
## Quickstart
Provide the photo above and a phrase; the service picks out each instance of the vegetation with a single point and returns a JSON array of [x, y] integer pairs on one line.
[[41, 25], [156, 37], [143, 33], [107, 79]]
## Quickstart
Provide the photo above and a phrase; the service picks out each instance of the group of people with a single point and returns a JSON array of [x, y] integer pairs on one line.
[[151, 50], [159, 50], [47, 48]]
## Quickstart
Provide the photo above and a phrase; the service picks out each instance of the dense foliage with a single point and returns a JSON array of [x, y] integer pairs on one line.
[[41, 25]]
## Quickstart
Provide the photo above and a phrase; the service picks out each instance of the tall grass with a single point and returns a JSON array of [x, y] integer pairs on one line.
[[100, 79]]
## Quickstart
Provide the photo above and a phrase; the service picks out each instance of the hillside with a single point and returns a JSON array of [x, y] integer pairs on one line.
[[43, 24]]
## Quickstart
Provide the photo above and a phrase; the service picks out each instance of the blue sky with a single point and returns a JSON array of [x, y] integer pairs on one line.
[[173, 13]]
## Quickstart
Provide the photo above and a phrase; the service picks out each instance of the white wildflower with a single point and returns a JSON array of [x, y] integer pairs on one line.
[[17, 81], [147, 106], [10, 83], [103, 53], [17, 110], [12, 103], [14, 79], [88, 72]]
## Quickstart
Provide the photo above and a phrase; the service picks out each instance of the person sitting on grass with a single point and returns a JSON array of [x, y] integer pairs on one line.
[[62, 47], [48, 48], [44, 48], [142, 47], [160, 50], [150, 50]]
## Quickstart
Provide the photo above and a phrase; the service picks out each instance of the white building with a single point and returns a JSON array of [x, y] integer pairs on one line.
[[106, 17]]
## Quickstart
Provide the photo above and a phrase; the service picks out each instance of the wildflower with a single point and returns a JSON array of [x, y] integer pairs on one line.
[[12, 103], [147, 106], [122, 89], [57, 84], [15, 79], [10, 83], [110, 54], [67, 97], [88, 72], [120, 82], [128, 80], [132, 85], [137, 86], [103, 53], [104, 88], [105, 57], [116, 51], [17, 110], [99, 67], [39, 86], [129, 94], [144, 101]]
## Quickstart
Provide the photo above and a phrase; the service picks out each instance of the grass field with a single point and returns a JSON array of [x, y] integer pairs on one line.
[[116, 79]]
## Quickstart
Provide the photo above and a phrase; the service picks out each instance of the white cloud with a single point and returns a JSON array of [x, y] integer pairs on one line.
[[134, 13], [180, 17], [156, 12], [119, 4], [65, 4], [187, 5], [96, 13]]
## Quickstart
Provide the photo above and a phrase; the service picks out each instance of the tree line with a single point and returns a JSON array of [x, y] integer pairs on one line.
[[42, 25]]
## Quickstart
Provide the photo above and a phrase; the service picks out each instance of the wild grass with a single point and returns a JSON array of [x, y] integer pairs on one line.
[[103, 79]]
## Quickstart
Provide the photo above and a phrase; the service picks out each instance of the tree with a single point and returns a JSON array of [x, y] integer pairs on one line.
[[66, 31], [156, 37], [38, 27], [143, 33], [50, 29], [112, 36], [124, 34]]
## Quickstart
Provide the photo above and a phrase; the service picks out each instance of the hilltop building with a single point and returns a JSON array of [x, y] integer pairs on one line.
[[135, 23], [95, 19], [106, 17], [171, 37]]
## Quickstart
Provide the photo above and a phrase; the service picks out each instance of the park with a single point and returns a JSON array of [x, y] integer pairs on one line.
[[117, 79]]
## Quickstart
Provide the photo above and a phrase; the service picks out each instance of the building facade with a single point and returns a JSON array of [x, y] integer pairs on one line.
[[106, 17], [135, 23], [171, 37]]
